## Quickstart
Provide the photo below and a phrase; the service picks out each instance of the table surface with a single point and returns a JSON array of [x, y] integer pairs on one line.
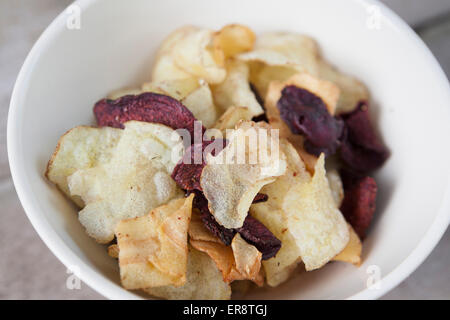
[[28, 270]]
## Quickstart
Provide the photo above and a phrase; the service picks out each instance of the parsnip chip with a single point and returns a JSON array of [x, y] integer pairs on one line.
[[233, 39], [82, 147], [336, 186], [153, 248], [352, 90], [203, 281], [231, 179], [317, 224], [285, 49], [176, 88], [231, 117], [235, 89], [194, 53], [352, 252], [272, 215], [327, 91], [134, 181], [201, 104], [124, 92]]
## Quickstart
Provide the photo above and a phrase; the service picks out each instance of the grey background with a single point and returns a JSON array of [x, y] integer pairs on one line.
[[28, 270]]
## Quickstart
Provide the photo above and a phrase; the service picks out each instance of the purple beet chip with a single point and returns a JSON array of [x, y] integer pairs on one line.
[[361, 149], [148, 107], [306, 114]]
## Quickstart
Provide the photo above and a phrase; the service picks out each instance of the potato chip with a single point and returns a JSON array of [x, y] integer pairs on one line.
[[201, 104], [231, 117], [316, 223], [271, 213], [235, 89], [194, 54], [231, 179], [135, 180], [198, 231], [124, 92], [233, 39], [352, 252], [352, 90], [336, 187], [153, 248], [176, 88], [328, 92], [203, 281], [82, 147], [285, 49], [247, 259]]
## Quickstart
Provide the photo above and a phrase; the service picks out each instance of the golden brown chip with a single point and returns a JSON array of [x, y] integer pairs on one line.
[[315, 221], [231, 179], [82, 147], [113, 251], [203, 281], [135, 180], [352, 252], [233, 39], [235, 89], [153, 247]]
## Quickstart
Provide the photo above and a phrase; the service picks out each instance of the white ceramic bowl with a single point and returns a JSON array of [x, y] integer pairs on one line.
[[68, 70]]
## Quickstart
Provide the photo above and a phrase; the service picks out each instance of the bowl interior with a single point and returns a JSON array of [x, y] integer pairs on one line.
[[70, 69]]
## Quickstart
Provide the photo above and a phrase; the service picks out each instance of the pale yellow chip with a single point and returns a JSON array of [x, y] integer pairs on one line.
[[231, 179], [352, 252], [352, 90], [153, 248], [124, 92], [247, 260], [271, 214], [336, 187], [327, 91], [82, 147], [230, 118], [135, 180], [198, 231], [235, 89], [316, 223], [203, 281], [285, 49], [233, 39], [201, 104], [176, 88]]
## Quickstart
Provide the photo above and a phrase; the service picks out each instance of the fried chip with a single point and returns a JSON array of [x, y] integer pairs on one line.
[[231, 117], [316, 223], [352, 252], [352, 90], [261, 75], [203, 281], [113, 251], [153, 248], [271, 213], [82, 147], [233, 39], [285, 49], [176, 88], [201, 104], [135, 180], [247, 259], [235, 89], [231, 179], [336, 187], [328, 92]]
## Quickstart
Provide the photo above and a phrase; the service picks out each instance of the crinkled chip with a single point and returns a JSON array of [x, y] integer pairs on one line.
[[233, 39], [135, 180], [231, 179], [271, 213], [316, 223], [323, 89], [231, 117], [203, 281], [352, 90], [201, 104], [82, 147], [235, 89], [352, 252], [153, 248], [175, 88], [285, 49]]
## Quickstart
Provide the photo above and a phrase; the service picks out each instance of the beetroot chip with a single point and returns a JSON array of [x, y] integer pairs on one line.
[[358, 205], [306, 114], [361, 149], [148, 107], [188, 171], [255, 233]]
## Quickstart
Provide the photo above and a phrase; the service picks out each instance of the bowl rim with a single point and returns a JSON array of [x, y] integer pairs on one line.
[[110, 290]]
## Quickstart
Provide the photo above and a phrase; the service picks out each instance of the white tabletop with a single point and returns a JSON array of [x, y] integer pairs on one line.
[[28, 270]]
